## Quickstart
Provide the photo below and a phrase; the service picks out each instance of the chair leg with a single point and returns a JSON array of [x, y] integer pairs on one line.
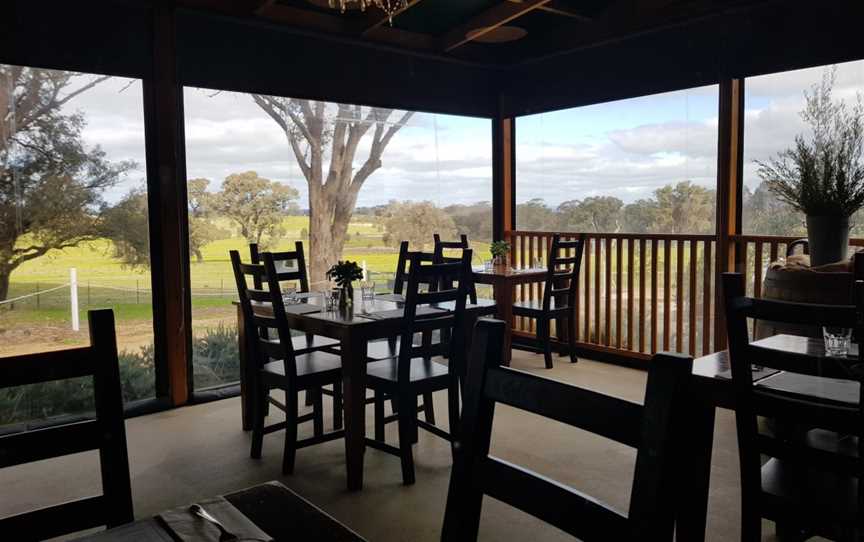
[[290, 432], [337, 406], [571, 338], [543, 334], [309, 400], [317, 412], [428, 408], [407, 431], [427, 343], [258, 422], [379, 416]]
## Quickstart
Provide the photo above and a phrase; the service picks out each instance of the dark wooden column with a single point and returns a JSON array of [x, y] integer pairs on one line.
[[503, 177], [730, 190], [166, 184]]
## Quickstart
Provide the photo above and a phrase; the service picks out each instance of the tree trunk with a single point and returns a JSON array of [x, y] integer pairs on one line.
[[5, 274]]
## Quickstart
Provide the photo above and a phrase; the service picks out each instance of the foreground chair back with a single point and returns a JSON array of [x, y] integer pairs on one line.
[[402, 265], [439, 257], [291, 265], [647, 428], [106, 433], [812, 481]]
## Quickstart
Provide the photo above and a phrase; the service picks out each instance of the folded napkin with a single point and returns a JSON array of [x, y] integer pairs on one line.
[[399, 313], [189, 527]]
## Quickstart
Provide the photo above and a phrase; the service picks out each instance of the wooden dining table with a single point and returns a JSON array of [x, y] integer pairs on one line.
[[365, 320], [282, 514], [504, 279], [711, 388]]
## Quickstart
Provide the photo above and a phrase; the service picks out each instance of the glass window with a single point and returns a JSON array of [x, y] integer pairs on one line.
[[642, 165], [262, 169], [74, 236], [773, 107]]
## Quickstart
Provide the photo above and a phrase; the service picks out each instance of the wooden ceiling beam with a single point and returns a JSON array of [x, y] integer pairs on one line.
[[487, 21], [557, 8]]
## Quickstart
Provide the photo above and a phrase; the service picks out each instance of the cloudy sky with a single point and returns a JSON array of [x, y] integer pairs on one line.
[[626, 148]]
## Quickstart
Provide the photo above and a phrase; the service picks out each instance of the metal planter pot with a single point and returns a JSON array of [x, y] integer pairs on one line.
[[828, 237]]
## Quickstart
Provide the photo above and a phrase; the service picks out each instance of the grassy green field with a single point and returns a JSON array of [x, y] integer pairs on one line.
[[104, 282]]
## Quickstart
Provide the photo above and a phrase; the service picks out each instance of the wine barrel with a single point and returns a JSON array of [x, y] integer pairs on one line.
[[831, 286]]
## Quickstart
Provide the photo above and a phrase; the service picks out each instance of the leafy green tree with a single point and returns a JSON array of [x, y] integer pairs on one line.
[[597, 214], [473, 220], [257, 205], [415, 222], [639, 216], [684, 208], [534, 214], [201, 209], [765, 214], [126, 225], [51, 184]]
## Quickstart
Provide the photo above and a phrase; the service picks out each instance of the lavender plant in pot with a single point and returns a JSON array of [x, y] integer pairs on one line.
[[822, 174]]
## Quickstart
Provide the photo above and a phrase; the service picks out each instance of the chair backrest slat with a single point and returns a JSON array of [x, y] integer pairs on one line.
[[569, 510], [106, 433], [651, 428], [402, 262], [439, 257], [43, 367], [555, 400]]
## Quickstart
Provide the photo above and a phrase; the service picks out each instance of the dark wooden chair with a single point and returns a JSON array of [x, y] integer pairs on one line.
[[649, 429], [559, 297], [811, 483], [106, 433], [439, 257], [281, 367], [414, 373]]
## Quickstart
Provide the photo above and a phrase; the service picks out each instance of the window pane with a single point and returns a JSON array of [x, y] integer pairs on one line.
[[642, 165], [773, 106], [72, 184], [261, 169]]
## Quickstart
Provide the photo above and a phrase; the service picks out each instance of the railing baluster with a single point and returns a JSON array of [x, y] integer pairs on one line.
[[691, 335], [667, 291], [773, 256], [757, 270], [586, 255], [707, 273], [679, 296], [531, 286], [597, 301], [654, 244], [522, 257], [618, 315], [642, 257], [608, 280], [630, 265]]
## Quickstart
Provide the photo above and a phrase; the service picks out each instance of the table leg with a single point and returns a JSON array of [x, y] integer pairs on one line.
[[354, 386], [697, 439], [247, 370], [504, 306]]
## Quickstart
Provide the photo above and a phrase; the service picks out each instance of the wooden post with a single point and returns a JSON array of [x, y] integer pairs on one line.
[[503, 177], [166, 182], [730, 189]]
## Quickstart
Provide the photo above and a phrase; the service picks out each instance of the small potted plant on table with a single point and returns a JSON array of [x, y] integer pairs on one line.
[[499, 250], [344, 273]]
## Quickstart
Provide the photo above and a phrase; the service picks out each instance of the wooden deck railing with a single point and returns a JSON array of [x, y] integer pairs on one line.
[[643, 293]]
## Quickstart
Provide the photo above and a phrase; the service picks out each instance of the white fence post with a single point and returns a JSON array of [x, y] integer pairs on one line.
[[73, 297]]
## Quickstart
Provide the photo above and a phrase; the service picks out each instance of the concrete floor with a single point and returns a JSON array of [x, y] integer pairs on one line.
[[179, 456]]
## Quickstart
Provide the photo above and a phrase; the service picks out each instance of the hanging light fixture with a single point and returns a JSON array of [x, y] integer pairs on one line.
[[390, 7]]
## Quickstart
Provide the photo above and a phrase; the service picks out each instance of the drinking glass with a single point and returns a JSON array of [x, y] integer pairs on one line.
[[538, 263], [487, 265], [367, 290], [837, 340], [289, 295], [333, 299]]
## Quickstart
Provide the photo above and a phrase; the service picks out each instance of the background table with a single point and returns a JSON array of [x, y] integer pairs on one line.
[[275, 509], [504, 279], [353, 328]]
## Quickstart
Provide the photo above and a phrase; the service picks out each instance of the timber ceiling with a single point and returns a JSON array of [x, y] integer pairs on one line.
[[460, 29]]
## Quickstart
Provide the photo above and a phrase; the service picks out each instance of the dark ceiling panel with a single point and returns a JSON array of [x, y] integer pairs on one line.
[[436, 17]]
